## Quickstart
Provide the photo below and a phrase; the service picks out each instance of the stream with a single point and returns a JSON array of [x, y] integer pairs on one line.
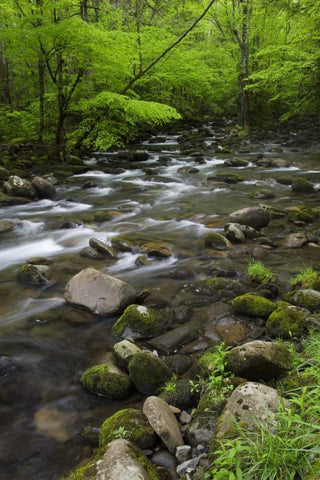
[[46, 344]]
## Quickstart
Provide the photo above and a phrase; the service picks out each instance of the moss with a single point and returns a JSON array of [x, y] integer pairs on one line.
[[100, 380], [148, 372], [215, 284], [136, 428], [121, 244], [88, 470], [301, 185], [139, 320], [287, 321], [139, 456], [253, 305], [216, 240], [306, 298], [102, 216], [262, 193], [228, 177], [183, 396]]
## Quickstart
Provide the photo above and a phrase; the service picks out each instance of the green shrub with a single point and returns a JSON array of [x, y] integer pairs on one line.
[[258, 272], [306, 277]]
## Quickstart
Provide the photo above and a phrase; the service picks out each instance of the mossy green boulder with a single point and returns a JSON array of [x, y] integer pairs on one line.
[[132, 425], [253, 305], [180, 393], [148, 373], [107, 381], [139, 321], [288, 321]]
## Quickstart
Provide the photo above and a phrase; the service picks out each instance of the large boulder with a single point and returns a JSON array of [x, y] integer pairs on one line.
[[139, 321], [123, 460], [99, 292], [255, 217], [107, 380], [148, 372], [163, 422], [248, 405], [259, 360], [19, 187], [36, 275], [43, 187], [134, 427]]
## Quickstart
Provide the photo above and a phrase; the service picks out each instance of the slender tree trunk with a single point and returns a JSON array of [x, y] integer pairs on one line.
[[4, 75], [61, 123], [41, 73], [245, 68]]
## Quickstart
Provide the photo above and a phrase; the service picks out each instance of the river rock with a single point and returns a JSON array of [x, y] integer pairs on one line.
[[169, 341], [306, 298], [155, 249], [236, 162], [188, 170], [226, 177], [178, 363], [234, 233], [102, 248], [148, 372], [107, 380], [182, 395], [88, 252], [301, 185], [123, 460], [262, 194], [294, 240], [43, 187], [99, 292], [163, 422], [204, 421], [134, 425], [124, 351], [287, 321], [248, 232], [36, 275], [139, 321], [216, 241], [255, 217], [259, 360], [6, 226], [164, 459], [253, 305], [18, 187], [231, 330], [250, 403]]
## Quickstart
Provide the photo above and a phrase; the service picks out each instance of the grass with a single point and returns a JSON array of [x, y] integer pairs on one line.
[[217, 381], [306, 277], [287, 447], [258, 272]]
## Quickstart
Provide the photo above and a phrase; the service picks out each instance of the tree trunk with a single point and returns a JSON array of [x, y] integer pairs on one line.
[[41, 73], [6, 96]]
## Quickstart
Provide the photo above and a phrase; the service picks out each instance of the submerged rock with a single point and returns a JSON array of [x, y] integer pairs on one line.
[[102, 248], [6, 226], [169, 341], [294, 240], [301, 185], [155, 249], [255, 217], [99, 292], [216, 241], [163, 422], [259, 360], [36, 275]]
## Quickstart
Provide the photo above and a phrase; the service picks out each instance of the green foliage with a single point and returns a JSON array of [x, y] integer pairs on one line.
[[110, 119], [287, 447], [216, 380], [258, 272], [306, 277], [170, 386]]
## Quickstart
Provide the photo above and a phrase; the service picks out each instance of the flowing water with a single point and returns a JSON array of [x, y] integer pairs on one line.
[[45, 344]]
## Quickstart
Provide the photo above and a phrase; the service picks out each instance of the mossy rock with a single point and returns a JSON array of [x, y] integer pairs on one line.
[[306, 298], [102, 216], [182, 394], [227, 177], [288, 321], [121, 244], [217, 241], [221, 287], [134, 427], [301, 185], [139, 321], [302, 214], [253, 305], [107, 381], [148, 373], [262, 194], [236, 162]]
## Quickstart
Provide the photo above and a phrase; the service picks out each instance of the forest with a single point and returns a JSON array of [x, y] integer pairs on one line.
[[159, 239], [95, 73]]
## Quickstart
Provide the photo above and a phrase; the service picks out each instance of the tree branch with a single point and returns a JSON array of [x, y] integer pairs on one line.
[[167, 50]]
